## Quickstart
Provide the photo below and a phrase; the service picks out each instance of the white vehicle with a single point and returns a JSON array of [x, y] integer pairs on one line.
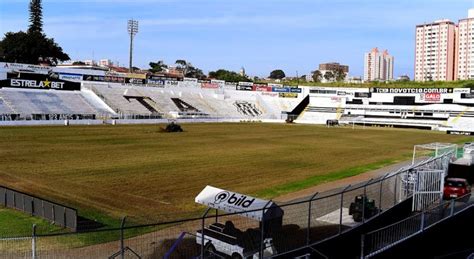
[[225, 239]]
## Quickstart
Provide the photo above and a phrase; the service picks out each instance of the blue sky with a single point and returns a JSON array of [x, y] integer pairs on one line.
[[260, 35]]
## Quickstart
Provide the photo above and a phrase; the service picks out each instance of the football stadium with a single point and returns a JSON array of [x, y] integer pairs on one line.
[[90, 156], [98, 160]]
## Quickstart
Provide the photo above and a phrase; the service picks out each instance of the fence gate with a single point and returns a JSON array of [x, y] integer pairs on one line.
[[428, 188]]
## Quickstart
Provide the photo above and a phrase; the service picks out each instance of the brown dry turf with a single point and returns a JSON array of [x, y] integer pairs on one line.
[[149, 175]]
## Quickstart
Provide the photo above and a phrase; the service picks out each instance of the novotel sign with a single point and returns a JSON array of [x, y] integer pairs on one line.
[[235, 202]]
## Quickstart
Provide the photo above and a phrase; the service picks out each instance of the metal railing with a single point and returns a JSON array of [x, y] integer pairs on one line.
[[57, 213], [380, 240], [306, 222]]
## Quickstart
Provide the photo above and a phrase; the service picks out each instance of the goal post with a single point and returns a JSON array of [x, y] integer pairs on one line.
[[433, 150]]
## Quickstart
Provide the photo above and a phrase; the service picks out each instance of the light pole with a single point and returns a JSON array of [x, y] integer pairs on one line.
[[297, 78], [132, 31]]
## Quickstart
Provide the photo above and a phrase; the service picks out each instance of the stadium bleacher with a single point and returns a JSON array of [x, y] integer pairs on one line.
[[27, 102], [424, 108]]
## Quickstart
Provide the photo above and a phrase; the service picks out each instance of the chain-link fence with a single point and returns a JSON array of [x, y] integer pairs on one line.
[[304, 223]]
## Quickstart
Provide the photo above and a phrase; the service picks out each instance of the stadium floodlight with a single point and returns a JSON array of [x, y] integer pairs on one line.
[[132, 31]]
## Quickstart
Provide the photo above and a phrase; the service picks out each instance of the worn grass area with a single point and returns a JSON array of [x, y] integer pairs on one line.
[[13, 222], [111, 171]]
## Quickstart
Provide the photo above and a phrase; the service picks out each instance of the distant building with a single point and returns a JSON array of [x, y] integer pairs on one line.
[[90, 62], [242, 72], [378, 66], [435, 51], [332, 68], [354, 80], [105, 63], [464, 56]]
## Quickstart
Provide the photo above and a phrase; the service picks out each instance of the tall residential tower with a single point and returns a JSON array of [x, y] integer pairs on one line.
[[378, 66], [435, 51], [464, 50]]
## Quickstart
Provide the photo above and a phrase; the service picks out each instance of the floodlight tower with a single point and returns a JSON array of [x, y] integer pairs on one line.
[[132, 30]]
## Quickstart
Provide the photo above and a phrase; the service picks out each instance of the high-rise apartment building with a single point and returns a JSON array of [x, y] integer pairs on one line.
[[435, 51], [378, 66], [464, 50]]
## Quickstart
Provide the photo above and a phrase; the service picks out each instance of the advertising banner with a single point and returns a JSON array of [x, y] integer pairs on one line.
[[461, 90], [188, 79], [288, 95], [70, 77], [37, 83], [17, 67], [275, 85], [411, 90], [457, 132], [135, 81], [171, 83], [246, 83], [154, 82], [271, 94], [209, 85], [235, 202], [363, 95], [280, 90], [261, 88], [467, 96], [244, 87], [432, 97], [219, 82], [295, 90], [136, 76], [93, 78], [114, 79]]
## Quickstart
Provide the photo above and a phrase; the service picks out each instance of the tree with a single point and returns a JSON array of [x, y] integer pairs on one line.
[[181, 62], [228, 76], [182, 65], [189, 70], [32, 47], [317, 76], [277, 74], [157, 67], [78, 63], [194, 72], [329, 76], [339, 75], [36, 17]]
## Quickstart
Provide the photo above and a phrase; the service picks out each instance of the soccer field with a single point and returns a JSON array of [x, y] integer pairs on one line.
[[148, 175]]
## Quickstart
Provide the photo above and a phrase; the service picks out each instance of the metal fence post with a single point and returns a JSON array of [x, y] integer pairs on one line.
[[422, 225], [202, 231], [342, 204], [262, 230], [380, 194], [33, 242], [362, 244], [363, 200], [395, 189], [122, 247], [308, 230], [452, 207]]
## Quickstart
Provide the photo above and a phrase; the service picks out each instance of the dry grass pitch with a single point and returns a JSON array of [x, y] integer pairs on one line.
[[111, 171]]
